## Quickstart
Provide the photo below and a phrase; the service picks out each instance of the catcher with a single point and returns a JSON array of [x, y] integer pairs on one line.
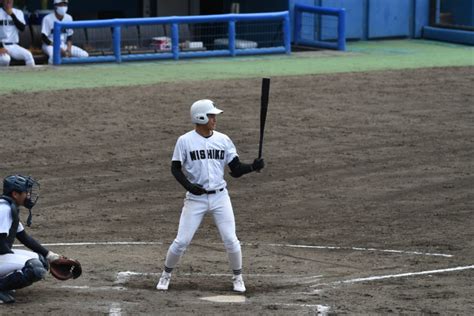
[[21, 268]]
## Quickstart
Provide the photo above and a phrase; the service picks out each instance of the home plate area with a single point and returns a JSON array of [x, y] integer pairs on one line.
[[285, 277]]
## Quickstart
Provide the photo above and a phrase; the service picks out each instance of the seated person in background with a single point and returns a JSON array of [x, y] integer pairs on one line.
[[47, 29], [12, 21]]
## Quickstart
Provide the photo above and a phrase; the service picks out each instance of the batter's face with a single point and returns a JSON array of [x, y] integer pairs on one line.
[[211, 125]]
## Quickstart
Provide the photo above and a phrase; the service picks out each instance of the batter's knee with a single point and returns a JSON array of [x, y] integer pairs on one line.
[[178, 247], [232, 246]]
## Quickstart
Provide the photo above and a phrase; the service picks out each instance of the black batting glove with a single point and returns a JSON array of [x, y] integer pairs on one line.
[[196, 189], [258, 164]]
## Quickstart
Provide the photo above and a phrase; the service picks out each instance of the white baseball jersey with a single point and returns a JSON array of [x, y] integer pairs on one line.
[[47, 27], [6, 218], [204, 159], [11, 262], [8, 30]]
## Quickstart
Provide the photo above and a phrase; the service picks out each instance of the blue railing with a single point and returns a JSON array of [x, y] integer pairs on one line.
[[339, 41], [174, 21]]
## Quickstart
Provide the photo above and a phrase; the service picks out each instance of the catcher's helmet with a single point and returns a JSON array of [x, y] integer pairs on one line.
[[200, 109], [19, 183]]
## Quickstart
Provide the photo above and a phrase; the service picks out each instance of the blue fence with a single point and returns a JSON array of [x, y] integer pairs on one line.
[[233, 39], [324, 31]]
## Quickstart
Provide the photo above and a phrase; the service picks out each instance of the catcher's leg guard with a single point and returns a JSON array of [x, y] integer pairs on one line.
[[33, 271]]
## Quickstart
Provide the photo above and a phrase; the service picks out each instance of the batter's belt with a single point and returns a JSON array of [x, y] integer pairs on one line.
[[215, 191]]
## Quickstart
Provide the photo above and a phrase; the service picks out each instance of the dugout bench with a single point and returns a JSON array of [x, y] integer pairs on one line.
[[137, 39]]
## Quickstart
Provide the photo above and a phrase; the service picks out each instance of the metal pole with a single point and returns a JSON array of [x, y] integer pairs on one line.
[[232, 38], [175, 40], [116, 43], [57, 44]]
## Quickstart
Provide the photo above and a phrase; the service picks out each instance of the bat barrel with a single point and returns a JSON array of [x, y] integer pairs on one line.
[[263, 111]]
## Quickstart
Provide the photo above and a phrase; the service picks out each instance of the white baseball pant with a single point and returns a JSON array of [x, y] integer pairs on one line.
[[75, 51], [5, 60], [16, 52], [194, 209], [15, 261]]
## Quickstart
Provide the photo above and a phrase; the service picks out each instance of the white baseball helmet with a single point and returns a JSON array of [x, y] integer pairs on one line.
[[60, 1], [200, 109]]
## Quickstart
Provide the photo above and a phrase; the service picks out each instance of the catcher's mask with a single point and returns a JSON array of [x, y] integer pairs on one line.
[[200, 109], [19, 183]]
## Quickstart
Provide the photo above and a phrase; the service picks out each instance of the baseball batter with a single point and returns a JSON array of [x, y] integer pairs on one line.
[[19, 268], [203, 153], [12, 21], [47, 33]]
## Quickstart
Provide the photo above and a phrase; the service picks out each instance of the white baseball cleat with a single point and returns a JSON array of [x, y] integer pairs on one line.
[[164, 281], [238, 282]]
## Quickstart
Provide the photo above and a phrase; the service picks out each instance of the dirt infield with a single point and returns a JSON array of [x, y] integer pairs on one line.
[[365, 205]]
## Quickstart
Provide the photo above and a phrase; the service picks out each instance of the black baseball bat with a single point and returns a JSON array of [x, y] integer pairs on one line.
[[263, 111]]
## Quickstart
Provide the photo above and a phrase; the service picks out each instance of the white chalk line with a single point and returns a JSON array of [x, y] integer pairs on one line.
[[362, 249], [112, 243], [104, 243], [124, 276], [95, 288], [320, 309], [115, 309], [393, 276]]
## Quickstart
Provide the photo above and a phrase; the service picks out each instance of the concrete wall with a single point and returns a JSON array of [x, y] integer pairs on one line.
[[372, 19]]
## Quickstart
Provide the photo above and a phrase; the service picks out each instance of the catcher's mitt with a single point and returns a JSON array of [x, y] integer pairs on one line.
[[65, 268]]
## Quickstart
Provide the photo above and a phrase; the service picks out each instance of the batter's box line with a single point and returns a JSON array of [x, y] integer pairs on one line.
[[113, 243], [391, 276], [359, 249], [124, 276]]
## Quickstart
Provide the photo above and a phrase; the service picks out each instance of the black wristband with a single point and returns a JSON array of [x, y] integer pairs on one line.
[[238, 168]]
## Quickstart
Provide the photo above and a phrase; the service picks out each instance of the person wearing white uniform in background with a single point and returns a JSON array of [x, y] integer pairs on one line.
[[12, 21], [19, 268], [47, 35], [204, 153]]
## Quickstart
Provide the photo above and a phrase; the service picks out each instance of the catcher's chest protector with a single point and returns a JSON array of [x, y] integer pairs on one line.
[[15, 221]]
